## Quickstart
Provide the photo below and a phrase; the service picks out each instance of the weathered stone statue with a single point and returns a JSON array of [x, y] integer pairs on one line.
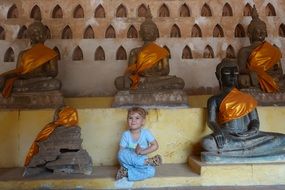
[[148, 66], [233, 118], [259, 63], [57, 147], [36, 70]]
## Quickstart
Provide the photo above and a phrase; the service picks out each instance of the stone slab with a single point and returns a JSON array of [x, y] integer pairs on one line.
[[165, 98]]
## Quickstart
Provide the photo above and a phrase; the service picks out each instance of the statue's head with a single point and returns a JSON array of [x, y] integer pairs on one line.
[[227, 72], [256, 30], [148, 29], [37, 31]]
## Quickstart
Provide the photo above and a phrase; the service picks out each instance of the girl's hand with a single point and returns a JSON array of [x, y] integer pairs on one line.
[[138, 149]]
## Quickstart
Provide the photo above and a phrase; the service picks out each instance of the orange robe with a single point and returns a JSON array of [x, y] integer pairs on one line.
[[67, 117], [146, 59], [235, 105], [31, 59], [262, 58]]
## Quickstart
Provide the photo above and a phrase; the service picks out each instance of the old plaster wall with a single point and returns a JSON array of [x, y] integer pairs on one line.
[[90, 77]]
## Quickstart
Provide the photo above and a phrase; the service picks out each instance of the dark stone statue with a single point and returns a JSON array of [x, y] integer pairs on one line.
[[233, 118]]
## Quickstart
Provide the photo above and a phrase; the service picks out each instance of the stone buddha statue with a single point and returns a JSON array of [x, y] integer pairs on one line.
[[148, 66], [259, 63], [233, 118], [36, 67]]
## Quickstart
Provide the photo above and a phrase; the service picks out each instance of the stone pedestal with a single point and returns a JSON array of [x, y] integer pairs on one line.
[[163, 98], [32, 100], [267, 99]]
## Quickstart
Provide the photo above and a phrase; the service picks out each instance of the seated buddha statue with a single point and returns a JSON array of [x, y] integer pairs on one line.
[[233, 118], [148, 66], [259, 63], [36, 67]]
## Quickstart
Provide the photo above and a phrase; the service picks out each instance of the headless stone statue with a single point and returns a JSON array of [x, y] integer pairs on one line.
[[259, 63], [233, 118], [35, 72], [147, 74]]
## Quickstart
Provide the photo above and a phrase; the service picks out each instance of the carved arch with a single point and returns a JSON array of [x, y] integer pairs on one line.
[[78, 12], [175, 31], [239, 31], [184, 11], [2, 33], [230, 52], [206, 11], [36, 12], [167, 50], [110, 32], [142, 10], [48, 33], [247, 11], [99, 54], [227, 10], [164, 11], [57, 12], [100, 12], [121, 11], [282, 30], [57, 52], [187, 53], [208, 52], [88, 33], [196, 31], [66, 33], [13, 12], [270, 10], [77, 54], [9, 55], [218, 31], [121, 53], [22, 34], [132, 32]]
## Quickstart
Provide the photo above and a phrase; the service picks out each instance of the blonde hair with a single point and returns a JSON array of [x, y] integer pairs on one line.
[[142, 112]]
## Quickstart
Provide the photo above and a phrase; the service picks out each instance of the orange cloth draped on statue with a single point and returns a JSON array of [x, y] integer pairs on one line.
[[146, 59], [262, 58], [30, 60], [67, 117], [235, 105]]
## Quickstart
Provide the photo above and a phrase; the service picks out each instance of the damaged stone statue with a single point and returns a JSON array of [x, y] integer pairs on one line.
[[58, 147], [148, 66], [259, 63], [233, 118], [36, 70]]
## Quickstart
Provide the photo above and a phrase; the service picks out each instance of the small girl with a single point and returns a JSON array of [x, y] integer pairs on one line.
[[135, 144]]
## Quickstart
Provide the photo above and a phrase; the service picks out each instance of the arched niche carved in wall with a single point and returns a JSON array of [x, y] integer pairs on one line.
[[208, 52], [142, 11], [164, 11], [121, 53], [282, 30], [66, 33], [196, 31], [121, 11], [89, 33], [77, 54], [48, 33], [187, 53], [132, 32], [206, 11], [110, 32], [247, 11], [22, 34], [230, 52], [57, 12], [270, 10], [175, 32], [227, 10], [36, 12], [57, 52], [168, 51], [100, 12], [218, 31], [13, 12], [184, 11], [239, 31], [9, 55], [2, 33], [99, 54], [78, 12]]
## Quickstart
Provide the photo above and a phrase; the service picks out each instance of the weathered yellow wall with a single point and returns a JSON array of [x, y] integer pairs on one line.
[[177, 130]]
